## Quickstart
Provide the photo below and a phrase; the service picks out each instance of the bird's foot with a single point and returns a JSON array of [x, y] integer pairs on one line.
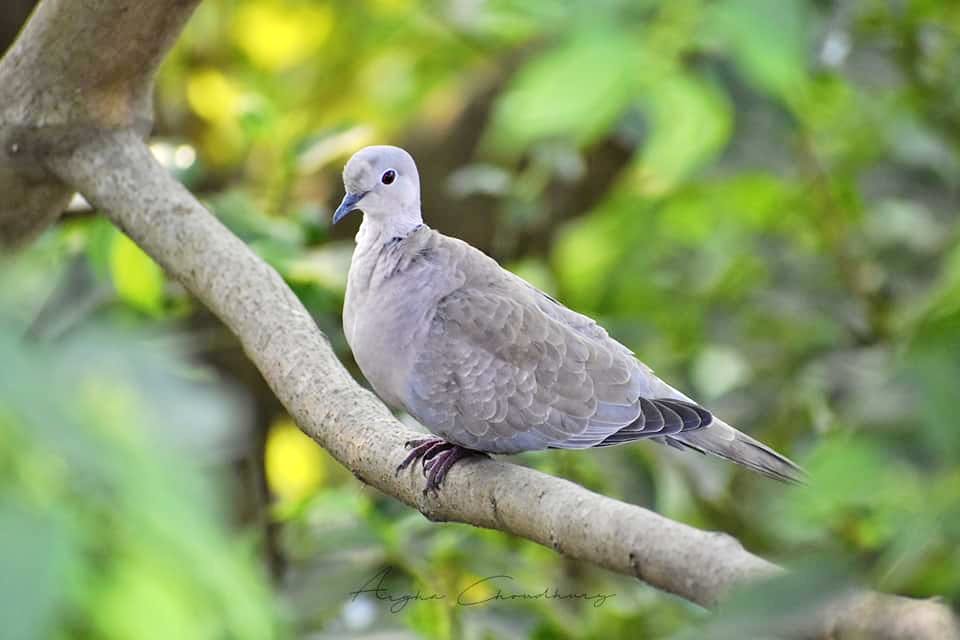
[[438, 457], [419, 449], [436, 465]]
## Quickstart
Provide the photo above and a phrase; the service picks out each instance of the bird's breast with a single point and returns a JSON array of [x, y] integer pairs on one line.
[[386, 319]]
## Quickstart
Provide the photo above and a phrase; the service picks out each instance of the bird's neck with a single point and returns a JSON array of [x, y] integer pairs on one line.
[[379, 231]]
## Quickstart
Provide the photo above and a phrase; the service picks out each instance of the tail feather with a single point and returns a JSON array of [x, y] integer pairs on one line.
[[720, 439]]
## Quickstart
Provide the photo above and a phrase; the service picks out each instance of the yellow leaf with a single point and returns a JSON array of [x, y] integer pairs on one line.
[[295, 464], [213, 96], [277, 37], [136, 277], [472, 588], [392, 6]]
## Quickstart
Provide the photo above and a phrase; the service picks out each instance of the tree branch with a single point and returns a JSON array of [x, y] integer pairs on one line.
[[77, 67], [109, 163]]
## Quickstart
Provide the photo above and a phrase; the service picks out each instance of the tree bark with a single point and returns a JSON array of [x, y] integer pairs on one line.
[[77, 68], [74, 120]]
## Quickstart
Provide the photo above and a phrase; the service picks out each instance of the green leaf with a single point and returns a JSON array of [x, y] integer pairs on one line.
[[586, 252], [743, 203], [136, 277], [100, 238], [691, 122], [575, 91], [938, 313], [431, 618], [769, 41]]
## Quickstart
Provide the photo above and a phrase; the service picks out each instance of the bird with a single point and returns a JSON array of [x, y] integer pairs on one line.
[[487, 362]]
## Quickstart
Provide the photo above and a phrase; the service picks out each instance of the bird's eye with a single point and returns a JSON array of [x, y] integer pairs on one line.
[[388, 176]]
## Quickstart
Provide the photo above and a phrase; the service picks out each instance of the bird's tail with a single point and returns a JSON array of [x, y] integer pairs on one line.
[[720, 439]]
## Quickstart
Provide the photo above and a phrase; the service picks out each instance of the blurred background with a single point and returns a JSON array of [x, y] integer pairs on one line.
[[759, 198]]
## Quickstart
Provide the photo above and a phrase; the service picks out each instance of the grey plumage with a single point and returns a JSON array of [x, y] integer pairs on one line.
[[488, 362]]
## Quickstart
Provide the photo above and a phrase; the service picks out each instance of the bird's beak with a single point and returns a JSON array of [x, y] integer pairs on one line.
[[348, 204]]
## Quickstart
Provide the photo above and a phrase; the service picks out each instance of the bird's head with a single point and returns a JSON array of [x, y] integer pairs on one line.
[[383, 183]]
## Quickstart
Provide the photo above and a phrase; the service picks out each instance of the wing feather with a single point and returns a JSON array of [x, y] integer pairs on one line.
[[507, 369]]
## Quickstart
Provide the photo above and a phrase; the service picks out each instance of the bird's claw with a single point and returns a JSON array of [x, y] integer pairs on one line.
[[418, 447], [437, 456], [409, 444]]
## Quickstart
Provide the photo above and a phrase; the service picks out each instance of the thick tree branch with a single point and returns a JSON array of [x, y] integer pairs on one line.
[[76, 68], [80, 127]]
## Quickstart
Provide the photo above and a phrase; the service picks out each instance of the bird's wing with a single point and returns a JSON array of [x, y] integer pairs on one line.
[[507, 369]]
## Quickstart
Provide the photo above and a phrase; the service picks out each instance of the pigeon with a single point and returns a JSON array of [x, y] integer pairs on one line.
[[487, 362]]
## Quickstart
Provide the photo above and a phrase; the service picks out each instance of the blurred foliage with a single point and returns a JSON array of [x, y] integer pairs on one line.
[[760, 198], [113, 524]]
